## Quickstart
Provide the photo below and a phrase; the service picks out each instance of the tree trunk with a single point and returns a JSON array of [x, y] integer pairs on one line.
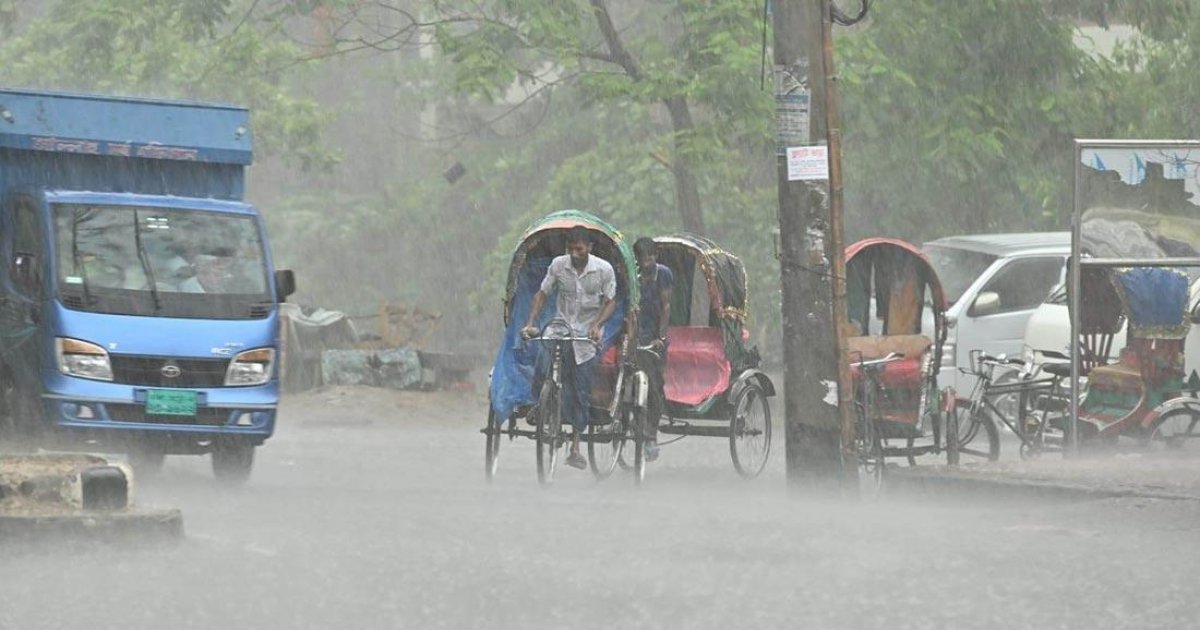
[[687, 194]]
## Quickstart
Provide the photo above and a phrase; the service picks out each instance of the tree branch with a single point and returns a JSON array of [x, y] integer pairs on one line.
[[612, 38]]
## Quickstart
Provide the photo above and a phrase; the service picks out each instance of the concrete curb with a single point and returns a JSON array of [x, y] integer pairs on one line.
[[110, 527], [942, 483]]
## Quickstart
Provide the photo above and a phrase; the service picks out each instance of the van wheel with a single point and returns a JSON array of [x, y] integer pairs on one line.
[[232, 461]]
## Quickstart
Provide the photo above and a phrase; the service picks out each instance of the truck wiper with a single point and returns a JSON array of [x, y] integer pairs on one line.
[[141, 251], [79, 269]]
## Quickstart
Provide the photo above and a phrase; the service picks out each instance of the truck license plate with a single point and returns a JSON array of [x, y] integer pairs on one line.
[[171, 402]]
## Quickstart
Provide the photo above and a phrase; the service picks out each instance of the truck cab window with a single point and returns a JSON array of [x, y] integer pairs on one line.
[[26, 243]]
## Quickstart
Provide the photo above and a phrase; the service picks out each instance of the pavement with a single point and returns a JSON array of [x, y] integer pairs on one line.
[[1054, 477]]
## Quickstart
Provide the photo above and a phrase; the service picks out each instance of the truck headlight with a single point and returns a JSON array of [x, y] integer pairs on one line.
[[252, 367], [82, 359]]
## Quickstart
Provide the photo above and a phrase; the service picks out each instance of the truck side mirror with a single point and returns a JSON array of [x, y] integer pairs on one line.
[[285, 284], [25, 272], [987, 303]]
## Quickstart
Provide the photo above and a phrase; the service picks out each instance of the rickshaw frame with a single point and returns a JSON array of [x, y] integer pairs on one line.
[[1077, 262], [624, 394]]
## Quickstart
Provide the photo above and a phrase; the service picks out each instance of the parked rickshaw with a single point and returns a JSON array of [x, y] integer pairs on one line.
[[711, 380], [515, 409], [1143, 394], [895, 331]]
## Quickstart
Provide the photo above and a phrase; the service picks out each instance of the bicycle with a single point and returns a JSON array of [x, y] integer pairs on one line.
[[988, 405], [868, 439], [546, 414]]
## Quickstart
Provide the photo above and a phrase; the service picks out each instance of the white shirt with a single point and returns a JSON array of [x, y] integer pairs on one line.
[[579, 296]]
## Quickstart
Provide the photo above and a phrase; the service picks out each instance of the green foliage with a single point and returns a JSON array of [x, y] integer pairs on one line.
[[209, 49], [969, 130]]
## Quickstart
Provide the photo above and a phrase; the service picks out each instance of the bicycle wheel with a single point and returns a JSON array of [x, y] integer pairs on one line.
[[549, 432], [604, 446], [978, 437], [1176, 432], [869, 448], [491, 458], [750, 431], [637, 431]]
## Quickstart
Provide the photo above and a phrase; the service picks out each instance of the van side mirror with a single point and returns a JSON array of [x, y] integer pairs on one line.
[[25, 272], [987, 303], [285, 284]]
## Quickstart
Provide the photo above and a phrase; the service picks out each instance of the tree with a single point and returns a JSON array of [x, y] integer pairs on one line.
[[205, 49]]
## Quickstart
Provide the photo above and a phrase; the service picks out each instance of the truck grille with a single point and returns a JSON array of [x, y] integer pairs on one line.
[[148, 371], [119, 412]]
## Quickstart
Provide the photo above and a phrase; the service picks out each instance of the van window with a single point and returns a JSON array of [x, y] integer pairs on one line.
[[1024, 283], [957, 269]]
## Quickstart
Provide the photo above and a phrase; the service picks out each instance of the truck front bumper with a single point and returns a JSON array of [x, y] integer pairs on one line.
[[104, 411]]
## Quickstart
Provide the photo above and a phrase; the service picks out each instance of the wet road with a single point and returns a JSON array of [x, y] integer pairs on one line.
[[359, 523]]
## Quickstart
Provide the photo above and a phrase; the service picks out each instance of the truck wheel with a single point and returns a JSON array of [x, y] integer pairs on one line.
[[232, 461], [147, 460]]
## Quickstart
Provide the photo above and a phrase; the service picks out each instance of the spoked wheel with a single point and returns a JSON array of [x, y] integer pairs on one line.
[[1176, 433], [604, 445], [549, 432], [869, 448], [637, 431], [978, 437], [491, 458], [750, 431]]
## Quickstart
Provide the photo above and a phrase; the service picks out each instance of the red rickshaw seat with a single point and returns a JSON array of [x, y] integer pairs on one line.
[[697, 368]]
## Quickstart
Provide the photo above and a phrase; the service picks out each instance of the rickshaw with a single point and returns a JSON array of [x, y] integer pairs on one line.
[[711, 381], [514, 408], [1143, 394], [895, 329]]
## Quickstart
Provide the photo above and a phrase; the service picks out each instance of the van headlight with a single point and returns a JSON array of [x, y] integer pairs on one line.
[[252, 367], [82, 359], [948, 352]]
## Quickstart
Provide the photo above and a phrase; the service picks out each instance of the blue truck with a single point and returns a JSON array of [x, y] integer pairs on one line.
[[139, 306]]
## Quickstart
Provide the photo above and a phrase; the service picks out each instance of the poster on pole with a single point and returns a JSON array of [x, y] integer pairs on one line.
[[791, 107], [807, 163]]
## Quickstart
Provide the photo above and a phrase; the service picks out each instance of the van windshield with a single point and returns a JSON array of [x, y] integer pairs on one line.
[[957, 268], [159, 261]]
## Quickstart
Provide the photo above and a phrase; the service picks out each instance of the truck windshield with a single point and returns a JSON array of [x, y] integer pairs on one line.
[[957, 268], [160, 262]]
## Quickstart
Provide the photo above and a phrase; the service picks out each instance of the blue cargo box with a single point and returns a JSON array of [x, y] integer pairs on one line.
[[124, 127]]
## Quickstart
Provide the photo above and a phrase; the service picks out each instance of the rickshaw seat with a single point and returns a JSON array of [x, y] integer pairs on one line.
[[697, 368], [1124, 376], [901, 374]]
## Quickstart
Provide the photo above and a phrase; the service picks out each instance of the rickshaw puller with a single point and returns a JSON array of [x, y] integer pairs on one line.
[[586, 288], [656, 283]]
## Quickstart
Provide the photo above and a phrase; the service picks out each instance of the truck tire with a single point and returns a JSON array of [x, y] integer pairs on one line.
[[232, 461]]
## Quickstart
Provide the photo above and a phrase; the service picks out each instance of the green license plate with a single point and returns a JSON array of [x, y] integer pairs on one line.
[[168, 402]]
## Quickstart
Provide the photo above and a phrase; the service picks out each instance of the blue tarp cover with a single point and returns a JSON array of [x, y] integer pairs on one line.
[[512, 374]]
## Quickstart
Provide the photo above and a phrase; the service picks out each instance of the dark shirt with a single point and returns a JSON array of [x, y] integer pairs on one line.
[[651, 309]]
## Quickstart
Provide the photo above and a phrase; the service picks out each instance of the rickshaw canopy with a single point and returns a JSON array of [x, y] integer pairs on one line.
[[897, 275], [540, 243], [724, 281], [1155, 299]]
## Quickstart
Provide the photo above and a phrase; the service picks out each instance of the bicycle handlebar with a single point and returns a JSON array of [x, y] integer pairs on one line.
[[892, 356]]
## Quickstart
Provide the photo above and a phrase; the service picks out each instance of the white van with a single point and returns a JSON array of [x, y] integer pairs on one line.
[[993, 283]]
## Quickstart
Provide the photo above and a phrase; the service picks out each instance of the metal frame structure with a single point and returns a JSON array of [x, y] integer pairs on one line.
[[1077, 262]]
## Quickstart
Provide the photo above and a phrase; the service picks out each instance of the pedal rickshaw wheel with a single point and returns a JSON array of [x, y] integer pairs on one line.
[[605, 445], [549, 432], [1176, 432], [491, 460], [750, 430]]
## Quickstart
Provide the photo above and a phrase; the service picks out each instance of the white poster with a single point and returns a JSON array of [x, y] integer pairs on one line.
[[807, 163]]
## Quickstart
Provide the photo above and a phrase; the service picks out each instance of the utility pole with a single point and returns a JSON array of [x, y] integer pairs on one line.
[[817, 403]]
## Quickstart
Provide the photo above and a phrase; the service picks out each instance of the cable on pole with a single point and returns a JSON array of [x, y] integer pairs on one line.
[[842, 19]]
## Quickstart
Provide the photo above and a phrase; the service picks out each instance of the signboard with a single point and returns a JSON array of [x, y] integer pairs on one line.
[[807, 163], [791, 108]]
